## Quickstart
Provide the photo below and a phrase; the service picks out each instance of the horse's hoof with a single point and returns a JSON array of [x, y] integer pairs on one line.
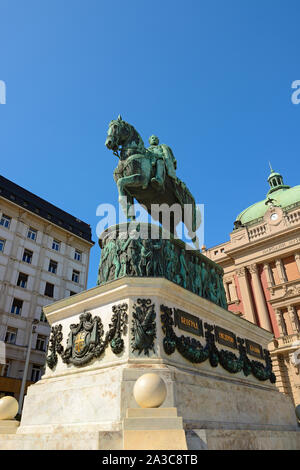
[[158, 185]]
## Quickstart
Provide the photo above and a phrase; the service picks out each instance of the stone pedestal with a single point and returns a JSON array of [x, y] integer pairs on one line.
[[153, 428], [9, 426], [94, 360]]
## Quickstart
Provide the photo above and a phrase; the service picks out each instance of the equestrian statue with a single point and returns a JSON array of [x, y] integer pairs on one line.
[[149, 176]]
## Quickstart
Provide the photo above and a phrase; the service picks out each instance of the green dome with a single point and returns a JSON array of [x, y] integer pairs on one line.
[[279, 195]]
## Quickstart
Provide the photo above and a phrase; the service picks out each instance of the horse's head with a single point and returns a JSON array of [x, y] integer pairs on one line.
[[118, 133]]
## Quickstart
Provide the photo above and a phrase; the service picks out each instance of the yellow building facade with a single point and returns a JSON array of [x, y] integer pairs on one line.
[[261, 264]]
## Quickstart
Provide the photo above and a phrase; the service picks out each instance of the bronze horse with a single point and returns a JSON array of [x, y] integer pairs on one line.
[[135, 176]]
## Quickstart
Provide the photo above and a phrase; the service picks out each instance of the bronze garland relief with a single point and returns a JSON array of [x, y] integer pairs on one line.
[[192, 349]]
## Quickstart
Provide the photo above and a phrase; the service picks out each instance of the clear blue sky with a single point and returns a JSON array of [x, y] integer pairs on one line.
[[211, 78]]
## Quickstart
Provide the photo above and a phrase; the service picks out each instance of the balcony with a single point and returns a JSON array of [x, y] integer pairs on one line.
[[257, 232], [286, 343], [286, 290]]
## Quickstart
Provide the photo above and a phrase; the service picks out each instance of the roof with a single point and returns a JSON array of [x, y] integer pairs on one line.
[[279, 195], [44, 209]]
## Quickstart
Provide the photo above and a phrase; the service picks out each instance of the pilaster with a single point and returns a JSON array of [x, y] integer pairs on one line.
[[297, 259], [280, 322], [294, 319], [260, 299], [280, 271], [246, 294], [268, 274]]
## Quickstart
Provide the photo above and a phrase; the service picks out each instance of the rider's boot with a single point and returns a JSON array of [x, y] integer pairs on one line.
[[158, 181]]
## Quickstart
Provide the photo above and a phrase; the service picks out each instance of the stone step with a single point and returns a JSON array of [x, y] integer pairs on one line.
[[9, 426], [149, 423], [151, 412]]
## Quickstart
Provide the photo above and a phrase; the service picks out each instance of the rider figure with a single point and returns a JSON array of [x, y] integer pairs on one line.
[[164, 161]]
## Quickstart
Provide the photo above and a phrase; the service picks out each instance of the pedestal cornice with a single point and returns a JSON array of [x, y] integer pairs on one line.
[[141, 287]]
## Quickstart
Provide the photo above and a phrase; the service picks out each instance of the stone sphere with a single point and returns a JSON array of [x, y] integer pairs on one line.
[[297, 410], [150, 391], [8, 408]]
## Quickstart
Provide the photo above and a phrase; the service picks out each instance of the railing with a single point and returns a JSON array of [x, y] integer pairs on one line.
[[293, 217], [290, 338], [257, 232], [285, 289]]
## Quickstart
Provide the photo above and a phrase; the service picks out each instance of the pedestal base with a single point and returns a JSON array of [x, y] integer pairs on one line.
[[153, 429], [83, 406], [237, 439], [9, 426]]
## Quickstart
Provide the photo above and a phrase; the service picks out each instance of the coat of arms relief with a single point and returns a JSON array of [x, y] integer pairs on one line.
[[86, 339]]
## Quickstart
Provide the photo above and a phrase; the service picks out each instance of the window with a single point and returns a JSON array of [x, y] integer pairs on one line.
[[5, 221], [22, 280], [35, 373], [2, 243], [232, 292], [72, 293], [49, 289], [56, 245], [11, 335], [75, 276], [77, 255], [17, 306], [4, 368], [41, 343], [27, 256], [52, 267], [43, 317], [32, 233], [290, 268]]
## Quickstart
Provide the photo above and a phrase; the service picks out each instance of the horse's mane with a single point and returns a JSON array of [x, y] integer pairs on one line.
[[134, 136]]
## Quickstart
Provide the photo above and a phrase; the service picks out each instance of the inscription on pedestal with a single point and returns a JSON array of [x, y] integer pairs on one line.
[[254, 349], [187, 322], [225, 337]]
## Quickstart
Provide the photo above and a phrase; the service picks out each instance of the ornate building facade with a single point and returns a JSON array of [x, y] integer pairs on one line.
[[261, 264], [44, 256]]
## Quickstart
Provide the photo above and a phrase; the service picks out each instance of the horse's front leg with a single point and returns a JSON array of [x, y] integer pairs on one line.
[[125, 199], [133, 181]]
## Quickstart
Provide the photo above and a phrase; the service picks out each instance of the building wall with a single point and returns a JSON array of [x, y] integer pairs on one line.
[[33, 296], [263, 262]]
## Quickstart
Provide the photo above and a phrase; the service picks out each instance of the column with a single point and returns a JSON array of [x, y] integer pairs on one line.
[[280, 270], [279, 371], [280, 322], [227, 290], [246, 294], [295, 375], [268, 274], [233, 293], [294, 319], [297, 259], [262, 309]]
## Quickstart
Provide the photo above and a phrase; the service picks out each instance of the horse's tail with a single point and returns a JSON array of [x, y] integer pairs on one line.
[[186, 197]]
